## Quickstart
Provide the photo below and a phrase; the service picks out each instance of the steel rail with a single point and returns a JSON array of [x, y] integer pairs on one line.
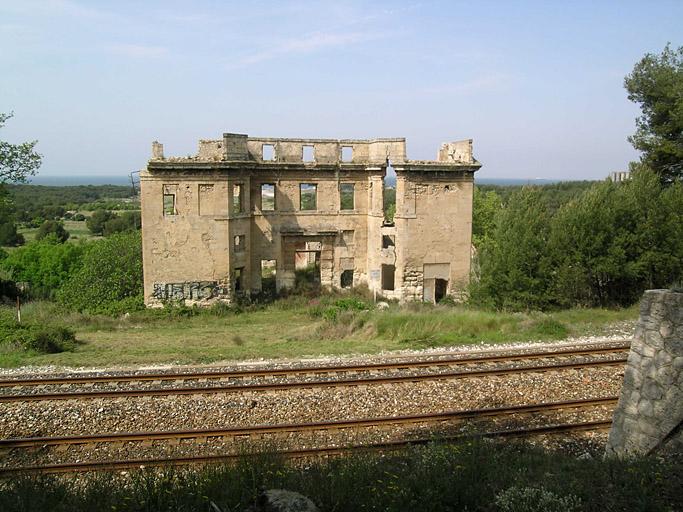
[[39, 442], [80, 467], [240, 388], [450, 361]]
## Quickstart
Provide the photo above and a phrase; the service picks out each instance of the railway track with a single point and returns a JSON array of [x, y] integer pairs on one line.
[[318, 371], [111, 465], [448, 360], [202, 434]]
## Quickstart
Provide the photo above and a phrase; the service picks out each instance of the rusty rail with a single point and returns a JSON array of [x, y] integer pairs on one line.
[[240, 388], [80, 467], [418, 363]]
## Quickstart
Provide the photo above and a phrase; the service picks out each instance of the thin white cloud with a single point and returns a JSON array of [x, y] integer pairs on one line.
[[489, 81], [138, 51], [307, 44], [66, 8]]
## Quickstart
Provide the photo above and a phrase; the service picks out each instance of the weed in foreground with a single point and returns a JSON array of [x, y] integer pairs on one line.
[[473, 476]]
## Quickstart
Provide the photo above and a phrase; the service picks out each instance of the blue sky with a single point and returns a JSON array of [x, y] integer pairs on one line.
[[537, 85]]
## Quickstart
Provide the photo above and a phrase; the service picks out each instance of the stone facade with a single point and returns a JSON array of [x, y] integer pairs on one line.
[[650, 410], [248, 213]]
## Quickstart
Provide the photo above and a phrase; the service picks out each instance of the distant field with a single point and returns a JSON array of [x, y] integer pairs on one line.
[[284, 330], [76, 228]]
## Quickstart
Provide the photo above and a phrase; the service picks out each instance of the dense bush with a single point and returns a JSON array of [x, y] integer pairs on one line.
[[534, 499], [46, 339], [331, 309], [603, 248], [54, 229], [128, 221], [97, 220], [45, 265], [8, 234], [8, 227], [514, 273], [110, 278]]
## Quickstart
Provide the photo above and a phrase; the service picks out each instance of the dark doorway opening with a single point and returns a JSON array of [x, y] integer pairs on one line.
[[347, 279], [388, 272], [239, 277], [268, 276], [440, 289], [307, 270]]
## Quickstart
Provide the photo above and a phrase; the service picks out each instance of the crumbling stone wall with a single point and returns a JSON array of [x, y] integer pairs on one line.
[[209, 226], [650, 410]]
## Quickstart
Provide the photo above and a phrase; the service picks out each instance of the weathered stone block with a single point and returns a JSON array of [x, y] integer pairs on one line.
[[651, 402]]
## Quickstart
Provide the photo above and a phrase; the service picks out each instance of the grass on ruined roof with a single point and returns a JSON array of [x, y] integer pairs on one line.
[[293, 328]]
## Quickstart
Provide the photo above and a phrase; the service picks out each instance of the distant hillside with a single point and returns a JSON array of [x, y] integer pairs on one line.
[[69, 181]]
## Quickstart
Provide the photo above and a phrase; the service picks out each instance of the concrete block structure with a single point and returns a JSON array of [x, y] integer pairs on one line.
[[246, 214]]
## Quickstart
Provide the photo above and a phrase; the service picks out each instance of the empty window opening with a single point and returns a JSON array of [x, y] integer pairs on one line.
[[347, 279], [238, 198], [348, 236], [239, 242], [308, 196], [388, 241], [268, 270], [347, 153], [169, 204], [346, 196], [388, 272], [268, 152], [239, 278], [389, 194], [308, 153], [268, 197]]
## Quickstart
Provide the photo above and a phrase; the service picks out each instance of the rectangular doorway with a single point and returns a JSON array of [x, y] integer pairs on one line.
[[435, 282], [307, 266], [268, 272]]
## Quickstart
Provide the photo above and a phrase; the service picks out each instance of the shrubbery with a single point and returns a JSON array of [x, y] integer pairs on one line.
[[331, 309], [46, 339], [45, 265], [104, 222], [470, 476], [53, 228], [97, 220], [110, 278], [603, 248]]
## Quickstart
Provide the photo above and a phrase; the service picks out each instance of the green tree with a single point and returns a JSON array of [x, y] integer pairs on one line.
[[617, 240], [513, 269], [485, 206], [588, 247], [110, 279], [128, 221], [45, 265], [8, 227], [9, 237], [53, 228], [17, 161], [97, 220], [656, 84]]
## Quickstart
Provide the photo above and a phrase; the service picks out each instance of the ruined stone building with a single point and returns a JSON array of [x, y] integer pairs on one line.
[[246, 214]]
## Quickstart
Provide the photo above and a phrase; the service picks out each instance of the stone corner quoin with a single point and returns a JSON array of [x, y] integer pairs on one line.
[[248, 215], [649, 414]]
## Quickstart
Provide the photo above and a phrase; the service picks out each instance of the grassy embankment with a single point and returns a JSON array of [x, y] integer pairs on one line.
[[478, 477], [292, 328]]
